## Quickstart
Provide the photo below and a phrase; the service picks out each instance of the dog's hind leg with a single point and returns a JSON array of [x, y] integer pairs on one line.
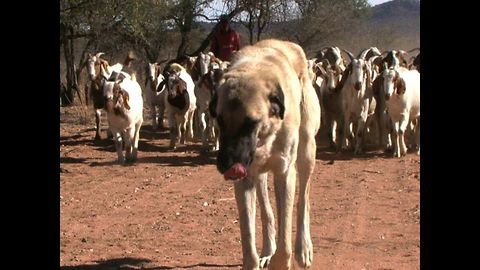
[[268, 221], [245, 196]]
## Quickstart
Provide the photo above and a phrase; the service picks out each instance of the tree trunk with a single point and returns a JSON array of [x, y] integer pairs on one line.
[[182, 49], [72, 83]]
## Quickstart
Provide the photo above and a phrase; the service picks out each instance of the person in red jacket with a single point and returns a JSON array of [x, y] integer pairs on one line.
[[225, 41]]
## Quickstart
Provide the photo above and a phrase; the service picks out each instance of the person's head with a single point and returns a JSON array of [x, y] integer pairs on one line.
[[224, 23]]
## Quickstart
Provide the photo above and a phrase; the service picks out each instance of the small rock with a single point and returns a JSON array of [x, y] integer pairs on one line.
[[205, 204]]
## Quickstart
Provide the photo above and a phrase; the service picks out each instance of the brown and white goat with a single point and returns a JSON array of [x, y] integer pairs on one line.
[[180, 102], [124, 106], [99, 70], [402, 97]]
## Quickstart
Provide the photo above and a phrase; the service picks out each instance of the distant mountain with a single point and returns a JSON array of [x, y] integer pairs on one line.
[[402, 15], [393, 24]]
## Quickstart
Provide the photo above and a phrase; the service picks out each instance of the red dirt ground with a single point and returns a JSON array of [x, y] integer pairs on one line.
[[173, 210]]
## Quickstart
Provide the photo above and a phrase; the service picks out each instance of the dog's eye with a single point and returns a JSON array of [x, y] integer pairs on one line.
[[249, 125]]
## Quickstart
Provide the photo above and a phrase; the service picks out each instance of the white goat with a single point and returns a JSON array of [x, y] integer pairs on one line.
[[204, 91], [180, 102], [99, 70], [155, 86], [124, 106], [357, 100], [402, 95]]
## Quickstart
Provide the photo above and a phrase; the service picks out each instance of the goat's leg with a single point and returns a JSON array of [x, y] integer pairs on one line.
[[245, 197], [330, 130], [129, 134], [284, 195], [203, 130], [189, 126], [417, 135], [161, 115], [173, 130], [268, 221], [182, 128], [98, 114], [153, 114], [395, 136], [119, 147], [360, 132], [136, 138], [404, 120], [345, 129]]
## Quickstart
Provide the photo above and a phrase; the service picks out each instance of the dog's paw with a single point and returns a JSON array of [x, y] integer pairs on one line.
[[303, 255], [264, 261]]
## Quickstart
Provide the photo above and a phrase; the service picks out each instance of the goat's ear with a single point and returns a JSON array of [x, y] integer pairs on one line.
[[277, 103], [400, 84], [213, 105], [126, 98], [161, 85], [322, 72], [376, 85]]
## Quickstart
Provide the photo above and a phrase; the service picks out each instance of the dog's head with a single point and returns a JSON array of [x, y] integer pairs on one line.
[[249, 113]]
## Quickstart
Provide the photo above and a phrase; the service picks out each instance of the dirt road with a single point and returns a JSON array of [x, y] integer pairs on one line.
[[173, 210]]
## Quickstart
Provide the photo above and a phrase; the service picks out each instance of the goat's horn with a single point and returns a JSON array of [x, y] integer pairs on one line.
[[99, 54], [349, 54], [414, 49], [363, 53]]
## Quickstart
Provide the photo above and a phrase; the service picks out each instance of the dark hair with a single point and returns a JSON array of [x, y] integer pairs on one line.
[[224, 18]]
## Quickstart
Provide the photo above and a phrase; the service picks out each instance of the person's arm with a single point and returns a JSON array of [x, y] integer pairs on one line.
[[213, 47], [237, 42]]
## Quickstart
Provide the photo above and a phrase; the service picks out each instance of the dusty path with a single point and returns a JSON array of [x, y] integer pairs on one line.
[[172, 210]]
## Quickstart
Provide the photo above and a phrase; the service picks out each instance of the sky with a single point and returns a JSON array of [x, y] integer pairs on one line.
[[376, 2]]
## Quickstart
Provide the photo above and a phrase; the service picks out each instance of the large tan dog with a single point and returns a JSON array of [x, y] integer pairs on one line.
[[269, 114]]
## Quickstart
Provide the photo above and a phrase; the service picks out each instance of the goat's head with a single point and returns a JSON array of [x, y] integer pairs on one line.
[[177, 91], [116, 98], [154, 75], [203, 62], [360, 72], [94, 65], [393, 82], [331, 74]]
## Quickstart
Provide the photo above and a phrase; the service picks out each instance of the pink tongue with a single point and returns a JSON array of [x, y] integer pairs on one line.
[[235, 172]]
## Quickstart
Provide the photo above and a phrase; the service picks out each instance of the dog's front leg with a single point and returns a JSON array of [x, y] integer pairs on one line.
[[268, 221], [245, 196], [285, 195]]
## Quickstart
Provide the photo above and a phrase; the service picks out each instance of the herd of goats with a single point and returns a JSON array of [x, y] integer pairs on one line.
[[352, 91]]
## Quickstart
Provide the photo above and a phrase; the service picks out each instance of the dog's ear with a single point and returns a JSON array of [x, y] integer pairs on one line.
[[277, 103], [212, 105]]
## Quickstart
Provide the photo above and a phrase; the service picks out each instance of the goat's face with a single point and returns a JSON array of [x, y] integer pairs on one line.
[[334, 75], [91, 61], [153, 74], [359, 72], [176, 86], [96, 66], [204, 60], [390, 77]]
